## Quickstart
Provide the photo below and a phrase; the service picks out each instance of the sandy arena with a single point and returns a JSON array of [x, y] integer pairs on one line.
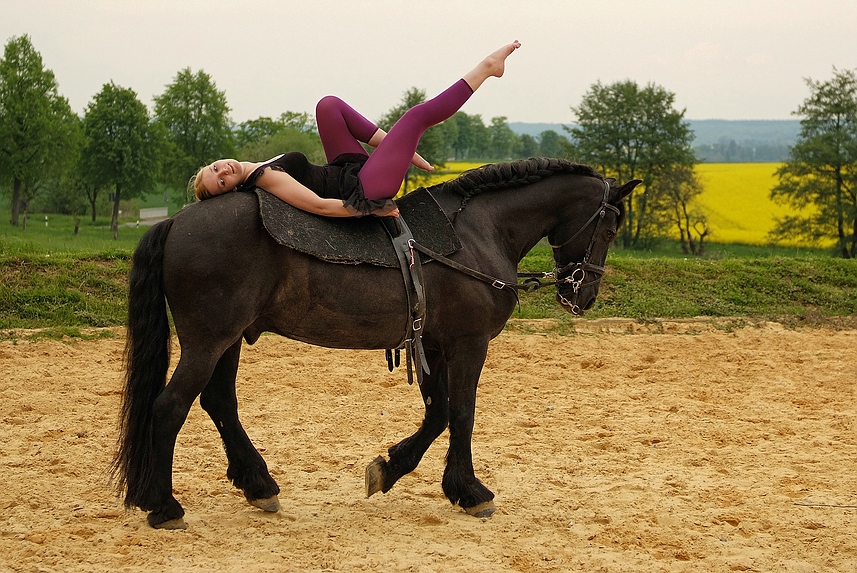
[[673, 447]]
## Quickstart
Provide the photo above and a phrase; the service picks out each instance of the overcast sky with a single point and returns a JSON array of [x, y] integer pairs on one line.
[[724, 59]]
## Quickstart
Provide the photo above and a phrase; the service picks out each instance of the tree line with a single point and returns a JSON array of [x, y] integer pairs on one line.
[[120, 149]]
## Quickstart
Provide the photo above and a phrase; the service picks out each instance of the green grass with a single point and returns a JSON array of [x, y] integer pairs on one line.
[[45, 290], [58, 236], [772, 286]]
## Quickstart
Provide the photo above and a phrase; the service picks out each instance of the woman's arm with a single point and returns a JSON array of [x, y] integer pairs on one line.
[[288, 189]]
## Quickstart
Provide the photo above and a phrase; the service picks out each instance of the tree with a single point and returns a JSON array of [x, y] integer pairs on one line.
[[529, 146], [481, 148], [281, 141], [36, 123], [632, 133], [821, 169], [254, 130], [431, 143], [552, 144], [504, 141], [466, 135], [55, 188], [120, 150], [680, 187], [194, 117], [83, 179], [262, 138]]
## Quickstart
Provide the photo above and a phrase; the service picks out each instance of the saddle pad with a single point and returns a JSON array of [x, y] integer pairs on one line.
[[350, 240]]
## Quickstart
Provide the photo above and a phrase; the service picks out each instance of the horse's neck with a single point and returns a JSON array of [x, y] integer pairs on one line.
[[515, 218]]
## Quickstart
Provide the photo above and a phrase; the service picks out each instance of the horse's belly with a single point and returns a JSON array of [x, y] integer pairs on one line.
[[341, 306], [338, 330]]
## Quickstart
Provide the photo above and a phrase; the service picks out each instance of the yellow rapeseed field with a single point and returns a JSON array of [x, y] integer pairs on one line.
[[736, 199]]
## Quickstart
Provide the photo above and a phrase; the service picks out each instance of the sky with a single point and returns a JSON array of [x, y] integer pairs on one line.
[[723, 59]]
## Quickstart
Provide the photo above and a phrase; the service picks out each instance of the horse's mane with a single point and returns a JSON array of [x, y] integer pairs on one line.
[[516, 173]]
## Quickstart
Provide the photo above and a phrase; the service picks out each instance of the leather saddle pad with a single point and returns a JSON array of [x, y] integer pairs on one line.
[[350, 240]]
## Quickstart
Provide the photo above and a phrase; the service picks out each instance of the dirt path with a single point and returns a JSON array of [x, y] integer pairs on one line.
[[674, 451]]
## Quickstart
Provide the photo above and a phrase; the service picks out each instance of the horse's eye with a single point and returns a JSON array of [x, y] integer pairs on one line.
[[610, 235]]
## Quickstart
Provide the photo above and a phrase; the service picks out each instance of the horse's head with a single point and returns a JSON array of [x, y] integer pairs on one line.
[[580, 248]]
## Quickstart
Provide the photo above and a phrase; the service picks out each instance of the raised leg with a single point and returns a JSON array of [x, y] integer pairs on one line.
[[459, 481], [341, 128], [383, 173], [381, 474], [247, 469]]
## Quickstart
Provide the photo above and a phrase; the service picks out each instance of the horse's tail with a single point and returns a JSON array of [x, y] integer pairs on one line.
[[147, 358]]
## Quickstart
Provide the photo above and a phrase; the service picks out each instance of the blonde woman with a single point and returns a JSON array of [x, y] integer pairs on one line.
[[352, 183]]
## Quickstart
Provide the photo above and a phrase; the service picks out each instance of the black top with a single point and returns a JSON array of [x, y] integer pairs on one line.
[[336, 180]]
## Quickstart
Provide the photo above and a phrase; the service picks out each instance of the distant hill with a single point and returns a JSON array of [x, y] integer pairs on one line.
[[717, 140], [707, 131], [534, 129], [746, 132]]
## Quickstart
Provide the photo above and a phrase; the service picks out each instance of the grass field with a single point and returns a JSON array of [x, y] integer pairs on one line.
[[58, 236]]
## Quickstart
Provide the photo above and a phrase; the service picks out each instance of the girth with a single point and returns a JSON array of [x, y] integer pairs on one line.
[[412, 274]]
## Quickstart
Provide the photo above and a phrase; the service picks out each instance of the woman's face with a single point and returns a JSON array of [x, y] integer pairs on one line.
[[222, 175]]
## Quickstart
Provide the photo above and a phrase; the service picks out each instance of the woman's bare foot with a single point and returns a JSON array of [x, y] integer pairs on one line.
[[494, 65], [496, 62]]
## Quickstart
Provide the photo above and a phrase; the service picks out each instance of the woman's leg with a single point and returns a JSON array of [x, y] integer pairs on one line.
[[341, 128], [385, 170]]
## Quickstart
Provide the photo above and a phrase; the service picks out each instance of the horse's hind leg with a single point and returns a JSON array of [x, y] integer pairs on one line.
[[406, 455], [247, 469], [459, 481], [169, 414]]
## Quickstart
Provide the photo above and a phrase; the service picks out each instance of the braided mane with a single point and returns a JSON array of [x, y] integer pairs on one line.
[[516, 173]]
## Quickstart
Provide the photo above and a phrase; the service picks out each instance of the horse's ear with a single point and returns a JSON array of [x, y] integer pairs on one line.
[[626, 189]]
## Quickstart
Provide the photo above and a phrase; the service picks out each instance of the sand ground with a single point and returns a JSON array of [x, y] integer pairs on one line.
[[680, 447]]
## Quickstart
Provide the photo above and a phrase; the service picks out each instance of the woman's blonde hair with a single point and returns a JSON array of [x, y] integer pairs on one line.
[[196, 186]]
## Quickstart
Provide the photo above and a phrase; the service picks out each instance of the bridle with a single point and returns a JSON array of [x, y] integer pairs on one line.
[[533, 281], [579, 270]]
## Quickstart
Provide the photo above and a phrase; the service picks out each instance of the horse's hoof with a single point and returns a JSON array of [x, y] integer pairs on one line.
[[375, 476], [177, 523], [484, 509], [269, 504]]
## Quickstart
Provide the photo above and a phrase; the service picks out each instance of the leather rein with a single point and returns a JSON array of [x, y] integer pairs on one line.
[[533, 281]]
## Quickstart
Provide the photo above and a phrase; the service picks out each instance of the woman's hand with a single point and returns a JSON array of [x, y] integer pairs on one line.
[[421, 163], [387, 212]]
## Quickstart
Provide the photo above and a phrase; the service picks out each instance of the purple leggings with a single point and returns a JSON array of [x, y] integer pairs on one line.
[[341, 130]]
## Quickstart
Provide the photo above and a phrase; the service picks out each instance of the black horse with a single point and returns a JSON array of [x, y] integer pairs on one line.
[[226, 279]]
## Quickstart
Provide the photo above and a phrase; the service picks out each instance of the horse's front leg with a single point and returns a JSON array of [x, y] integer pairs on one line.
[[459, 481], [247, 469], [381, 474]]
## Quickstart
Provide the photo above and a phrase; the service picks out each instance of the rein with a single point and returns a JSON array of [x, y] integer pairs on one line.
[[533, 281]]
